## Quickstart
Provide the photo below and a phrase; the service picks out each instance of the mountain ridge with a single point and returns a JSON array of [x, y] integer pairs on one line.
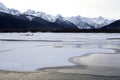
[[115, 25], [79, 21], [45, 22]]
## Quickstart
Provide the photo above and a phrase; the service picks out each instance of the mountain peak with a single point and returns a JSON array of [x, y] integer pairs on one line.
[[100, 17], [3, 8], [2, 5], [29, 12]]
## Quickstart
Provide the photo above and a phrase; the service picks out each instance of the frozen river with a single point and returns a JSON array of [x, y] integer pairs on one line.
[[30, 51]]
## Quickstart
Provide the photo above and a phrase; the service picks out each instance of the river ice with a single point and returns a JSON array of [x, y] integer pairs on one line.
[[30, 51]]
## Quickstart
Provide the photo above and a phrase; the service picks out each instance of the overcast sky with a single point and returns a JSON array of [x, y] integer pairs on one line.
[[86, 8]]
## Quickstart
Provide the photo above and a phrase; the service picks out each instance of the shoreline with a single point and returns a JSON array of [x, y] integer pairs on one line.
[[79, 68], [85, 70], [89, 59], [54, 73], [97, 65]]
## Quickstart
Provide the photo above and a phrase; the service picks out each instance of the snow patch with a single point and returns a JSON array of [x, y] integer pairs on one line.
[[30, 18]]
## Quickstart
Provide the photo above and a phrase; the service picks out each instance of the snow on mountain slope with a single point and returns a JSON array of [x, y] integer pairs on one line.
[[14, 12], [30, 18], [46, 16], [30, 12], [115, 26], [96, 22], [4, 9], [40, 14], [80, 22]]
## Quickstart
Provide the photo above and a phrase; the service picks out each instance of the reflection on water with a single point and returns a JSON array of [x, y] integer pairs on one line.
[[50, 50]]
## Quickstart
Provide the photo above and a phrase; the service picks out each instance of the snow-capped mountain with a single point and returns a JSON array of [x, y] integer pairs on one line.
[[14, 12], [97, 22], [40, 14], [113, 26], [13, 20], [80, 22], [4, 9]]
